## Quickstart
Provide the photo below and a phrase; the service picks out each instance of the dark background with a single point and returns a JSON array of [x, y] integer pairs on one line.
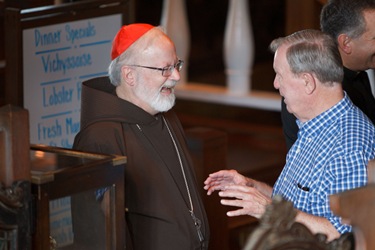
[[207, 20]]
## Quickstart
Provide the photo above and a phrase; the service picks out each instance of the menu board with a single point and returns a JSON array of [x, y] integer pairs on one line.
[[56, 60]]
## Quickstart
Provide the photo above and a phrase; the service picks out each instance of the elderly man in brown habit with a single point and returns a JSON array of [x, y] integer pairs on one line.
[[130, 114]]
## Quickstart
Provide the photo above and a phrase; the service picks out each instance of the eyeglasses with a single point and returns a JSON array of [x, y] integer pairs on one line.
[[167, 70]]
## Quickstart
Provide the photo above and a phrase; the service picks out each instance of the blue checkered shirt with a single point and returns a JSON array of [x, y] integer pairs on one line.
[[329, 156]]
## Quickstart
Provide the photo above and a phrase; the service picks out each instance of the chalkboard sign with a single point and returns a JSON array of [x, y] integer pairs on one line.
[[49, 52], [57, 58]]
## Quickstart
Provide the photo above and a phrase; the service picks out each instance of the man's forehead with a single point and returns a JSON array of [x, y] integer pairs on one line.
[[369, 16], [280, 54]]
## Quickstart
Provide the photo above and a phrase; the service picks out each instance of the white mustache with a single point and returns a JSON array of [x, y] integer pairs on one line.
[[169, 85]]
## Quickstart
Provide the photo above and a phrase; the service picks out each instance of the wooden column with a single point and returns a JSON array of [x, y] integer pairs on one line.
[[15, 145], [15, 187], [302, 15], [208, 149]]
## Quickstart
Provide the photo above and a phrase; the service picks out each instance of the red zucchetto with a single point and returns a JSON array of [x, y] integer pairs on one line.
[[126, 36]]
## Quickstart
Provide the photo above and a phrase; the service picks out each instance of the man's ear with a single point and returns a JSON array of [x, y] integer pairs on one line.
[[309, 82], [344, 42], [127, 74]]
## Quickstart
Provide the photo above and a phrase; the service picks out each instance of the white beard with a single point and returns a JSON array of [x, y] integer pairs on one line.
[[163, 103], [155, 99]]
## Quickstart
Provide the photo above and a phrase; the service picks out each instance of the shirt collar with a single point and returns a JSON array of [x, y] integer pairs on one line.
[[350, 74], [326, 118]]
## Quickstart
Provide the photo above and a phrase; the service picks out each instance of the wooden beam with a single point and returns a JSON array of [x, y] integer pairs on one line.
[[302, 15]]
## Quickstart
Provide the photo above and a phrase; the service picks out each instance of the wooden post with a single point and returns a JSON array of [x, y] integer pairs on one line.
[[15, 145], [208, 148], [15, 187], [175, 21], [302, 15]]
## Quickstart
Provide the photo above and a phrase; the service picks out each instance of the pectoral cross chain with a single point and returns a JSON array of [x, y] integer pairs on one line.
[[197, 224]]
